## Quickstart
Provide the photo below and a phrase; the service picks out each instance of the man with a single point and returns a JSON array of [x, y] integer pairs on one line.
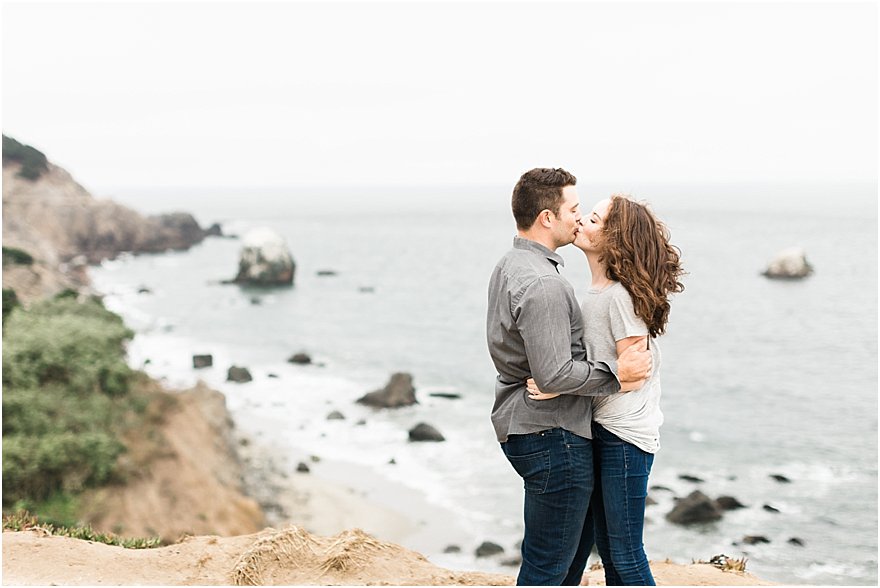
[[535, 329]]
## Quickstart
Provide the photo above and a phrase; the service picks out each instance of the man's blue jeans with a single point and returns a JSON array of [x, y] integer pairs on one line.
[[557, 469], [618, 508]]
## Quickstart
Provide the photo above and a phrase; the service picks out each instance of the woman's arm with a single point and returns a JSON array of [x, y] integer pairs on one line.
[[635, 343]]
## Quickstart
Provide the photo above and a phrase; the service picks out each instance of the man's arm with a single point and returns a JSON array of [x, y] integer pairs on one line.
[[543, 319]]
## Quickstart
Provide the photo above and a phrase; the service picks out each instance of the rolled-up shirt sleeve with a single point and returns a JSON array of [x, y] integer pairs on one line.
[[542, 315]]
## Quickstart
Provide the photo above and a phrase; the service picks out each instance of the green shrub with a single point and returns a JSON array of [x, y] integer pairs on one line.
[[13, 256], [79, 346], [10, 301], [65, 384], [35, 467], [33, 162]]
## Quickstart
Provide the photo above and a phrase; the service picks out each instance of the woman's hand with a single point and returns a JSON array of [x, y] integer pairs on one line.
[[536, 394]]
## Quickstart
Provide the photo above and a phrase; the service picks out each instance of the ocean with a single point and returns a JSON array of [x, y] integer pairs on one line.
[[760, 377]]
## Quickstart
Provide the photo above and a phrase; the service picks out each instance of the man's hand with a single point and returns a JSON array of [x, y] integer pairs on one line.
[[634, 365], [536, 394]]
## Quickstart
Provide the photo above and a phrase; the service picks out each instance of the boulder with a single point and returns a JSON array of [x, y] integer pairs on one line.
[[325, 273], [789, 264], [769, 508], [302, 468], [238, 374], [689, 478], [695, 508], [335, 416], [728, 503], [447, 395], [202, 361], [452, 549], [488, 548], [214, 230], [265, 260], [780, 478], [755, 539], [399, 391], [425, 432], [796, 541]]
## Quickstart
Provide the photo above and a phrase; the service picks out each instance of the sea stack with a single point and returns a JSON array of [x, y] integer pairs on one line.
[[789, 264], [265, 260]]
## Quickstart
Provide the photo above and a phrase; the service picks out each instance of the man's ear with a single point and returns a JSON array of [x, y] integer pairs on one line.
[[544, 218]]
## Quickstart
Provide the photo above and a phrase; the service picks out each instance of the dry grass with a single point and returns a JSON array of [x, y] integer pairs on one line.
[[295, 547], [725, 563], [286, 546]]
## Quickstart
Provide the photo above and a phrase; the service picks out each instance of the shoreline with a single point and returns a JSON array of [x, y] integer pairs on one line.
[[325, 502]]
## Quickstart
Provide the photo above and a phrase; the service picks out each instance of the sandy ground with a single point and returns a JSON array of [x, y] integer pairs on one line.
[[290, 556]]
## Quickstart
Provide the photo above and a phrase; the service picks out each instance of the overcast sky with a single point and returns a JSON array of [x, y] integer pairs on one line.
[[287, 93]]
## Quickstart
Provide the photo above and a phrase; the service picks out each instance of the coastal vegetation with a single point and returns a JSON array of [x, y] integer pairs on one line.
[[10, 301], [13, 256], [69, 400], [24, 521], [33, 162]]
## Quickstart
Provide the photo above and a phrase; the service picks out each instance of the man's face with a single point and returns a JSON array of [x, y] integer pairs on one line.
[[566, 223]]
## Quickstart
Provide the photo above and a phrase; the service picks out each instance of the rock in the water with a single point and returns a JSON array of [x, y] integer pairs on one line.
[[449, 395], [144, 290], [650, 501], [659, 488], [769, 508], [755, 539], [303, 468], [398, 392], [780, 478], [488, 548], [695, 508], [452, 549], [325, 273], [335, 416], [425, 432], [214, 230], [796, 541], [300, 358], [314, 458], [789, 264], [265, 260], [513, 562], [202, 361], [689, 478], [728, 503], [238, 374]]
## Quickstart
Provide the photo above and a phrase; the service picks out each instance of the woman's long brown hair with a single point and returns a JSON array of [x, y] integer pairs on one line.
[[637, 253]]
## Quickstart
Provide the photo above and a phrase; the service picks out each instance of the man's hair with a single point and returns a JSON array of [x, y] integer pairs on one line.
[[539, 189]]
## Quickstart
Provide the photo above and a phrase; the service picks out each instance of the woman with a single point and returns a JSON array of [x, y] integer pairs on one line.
[[634, 271]]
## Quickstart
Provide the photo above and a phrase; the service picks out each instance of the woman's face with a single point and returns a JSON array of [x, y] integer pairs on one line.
[[589, 237]]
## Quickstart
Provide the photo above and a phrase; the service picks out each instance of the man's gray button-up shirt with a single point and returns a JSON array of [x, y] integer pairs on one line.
[[534, 328]]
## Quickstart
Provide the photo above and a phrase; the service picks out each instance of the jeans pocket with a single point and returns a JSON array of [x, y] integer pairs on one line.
[[534, 469]]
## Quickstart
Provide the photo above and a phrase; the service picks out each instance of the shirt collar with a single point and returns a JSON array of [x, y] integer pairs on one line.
[[534, 246]]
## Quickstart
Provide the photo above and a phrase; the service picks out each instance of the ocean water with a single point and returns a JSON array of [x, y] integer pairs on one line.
[[760, 377]]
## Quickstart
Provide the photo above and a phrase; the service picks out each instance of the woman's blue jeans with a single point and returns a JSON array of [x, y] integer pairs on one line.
[[618, 508], [557, 471]]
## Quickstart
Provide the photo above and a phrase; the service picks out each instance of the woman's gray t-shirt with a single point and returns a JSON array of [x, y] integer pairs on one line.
[[635, 416]]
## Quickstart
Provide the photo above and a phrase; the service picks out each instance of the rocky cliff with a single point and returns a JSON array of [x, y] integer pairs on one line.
[[57, 221]]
